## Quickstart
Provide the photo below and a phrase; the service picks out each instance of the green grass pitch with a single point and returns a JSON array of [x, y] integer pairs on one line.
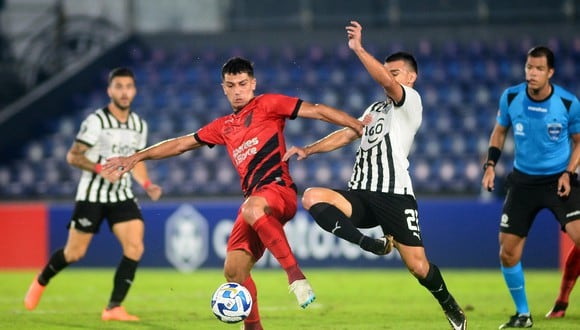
[[346, 299]]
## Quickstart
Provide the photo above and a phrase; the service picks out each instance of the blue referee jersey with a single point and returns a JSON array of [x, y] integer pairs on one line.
[[541, 129]]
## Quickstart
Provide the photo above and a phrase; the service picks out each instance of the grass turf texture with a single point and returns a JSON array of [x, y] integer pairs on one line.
[[346, 299]]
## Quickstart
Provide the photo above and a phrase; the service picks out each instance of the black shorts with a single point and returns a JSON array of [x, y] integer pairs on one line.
[[528, 195], [87, 217], [396, 214]]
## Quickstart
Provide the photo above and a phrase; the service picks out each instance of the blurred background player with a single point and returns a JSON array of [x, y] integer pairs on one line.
[[380, 191], [254, 137], [546, 121], [111, 131], [569, 277]]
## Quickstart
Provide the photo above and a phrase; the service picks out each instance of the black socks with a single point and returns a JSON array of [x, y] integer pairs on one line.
[[436, 285], [122, 282], [55, 264], [331, 219]]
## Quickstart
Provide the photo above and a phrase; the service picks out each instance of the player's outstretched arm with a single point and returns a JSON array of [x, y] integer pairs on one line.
[[375, 68], [333, 141], [165, 149], [331, 115]]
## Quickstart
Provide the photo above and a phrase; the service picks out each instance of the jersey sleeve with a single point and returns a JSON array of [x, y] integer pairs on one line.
[[503, 117], [211, 134], [89, 131], [574, 119], [143, 140], [282, 105]]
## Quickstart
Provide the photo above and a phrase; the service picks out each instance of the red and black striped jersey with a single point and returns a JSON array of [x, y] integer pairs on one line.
[[254, 138]]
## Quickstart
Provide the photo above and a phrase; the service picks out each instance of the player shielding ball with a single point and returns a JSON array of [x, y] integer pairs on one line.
[[254, 138]]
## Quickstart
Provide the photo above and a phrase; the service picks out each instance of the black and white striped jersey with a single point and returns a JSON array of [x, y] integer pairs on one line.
[[381, 159], [107, 137]]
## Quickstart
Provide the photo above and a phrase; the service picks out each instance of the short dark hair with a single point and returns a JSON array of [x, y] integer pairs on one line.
[[236, 65], [541, 51], [405, 57], [121, 72]]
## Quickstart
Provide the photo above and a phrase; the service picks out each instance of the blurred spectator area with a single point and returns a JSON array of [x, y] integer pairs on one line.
[[466, 55]]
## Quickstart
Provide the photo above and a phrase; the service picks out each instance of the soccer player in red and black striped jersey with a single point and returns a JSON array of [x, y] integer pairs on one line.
[[253, 135], [110, 131]]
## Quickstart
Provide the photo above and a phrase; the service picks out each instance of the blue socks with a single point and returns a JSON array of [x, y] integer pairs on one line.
[[514, 278]]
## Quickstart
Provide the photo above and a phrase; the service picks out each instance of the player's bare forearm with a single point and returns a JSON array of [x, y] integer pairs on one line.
[[498, 136], [76, 157], [331, 115], [375, 68], [331, 142]]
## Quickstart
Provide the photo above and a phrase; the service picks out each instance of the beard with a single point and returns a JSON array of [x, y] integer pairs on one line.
[[120, 106]]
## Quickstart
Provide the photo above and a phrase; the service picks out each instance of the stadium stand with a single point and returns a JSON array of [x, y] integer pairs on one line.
[[460, 83], [461, 76]]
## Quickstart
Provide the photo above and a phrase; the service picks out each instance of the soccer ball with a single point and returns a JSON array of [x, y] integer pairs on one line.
[[231, 302]]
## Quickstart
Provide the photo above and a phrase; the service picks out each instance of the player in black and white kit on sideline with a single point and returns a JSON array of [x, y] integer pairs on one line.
[[111, 131], [380, 191]]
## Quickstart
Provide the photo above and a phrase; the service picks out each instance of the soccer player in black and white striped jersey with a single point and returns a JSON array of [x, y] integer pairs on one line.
[[111, 131], [380, 192]]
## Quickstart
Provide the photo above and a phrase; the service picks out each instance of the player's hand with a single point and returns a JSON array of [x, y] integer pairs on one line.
[[564, 185], [111, 177], [154, 191], [488, 179], [115, 167], [295, 151], [354, 33]]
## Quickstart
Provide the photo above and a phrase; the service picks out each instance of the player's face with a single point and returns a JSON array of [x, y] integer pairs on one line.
[[537, 73], [239, 89], [401, 73], [122, 91]]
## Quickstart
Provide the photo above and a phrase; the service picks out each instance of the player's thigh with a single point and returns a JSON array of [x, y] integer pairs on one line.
[[77, 244], [318, 195], [130, 233]]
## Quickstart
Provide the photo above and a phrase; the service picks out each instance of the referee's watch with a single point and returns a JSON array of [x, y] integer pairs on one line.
[[488, 164]]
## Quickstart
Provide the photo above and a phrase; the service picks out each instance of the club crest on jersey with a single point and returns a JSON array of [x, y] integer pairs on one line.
[[554, 131]]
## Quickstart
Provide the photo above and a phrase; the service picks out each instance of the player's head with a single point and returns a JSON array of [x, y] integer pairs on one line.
[[238, 81], [403, 67], [122, 89], [539, 67]]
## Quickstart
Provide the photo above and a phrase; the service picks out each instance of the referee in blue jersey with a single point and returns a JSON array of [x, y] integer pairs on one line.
[[546, 127]]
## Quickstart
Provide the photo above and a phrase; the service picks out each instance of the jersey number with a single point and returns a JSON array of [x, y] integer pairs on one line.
[[412, 220]]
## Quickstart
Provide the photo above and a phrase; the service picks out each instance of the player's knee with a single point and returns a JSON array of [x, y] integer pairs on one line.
[[234, 274], [74, 255], [310, 197], [419, 269], [507, 258], [134, 250]]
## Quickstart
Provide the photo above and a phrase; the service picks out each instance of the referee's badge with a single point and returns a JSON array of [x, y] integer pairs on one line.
[[554, 131]]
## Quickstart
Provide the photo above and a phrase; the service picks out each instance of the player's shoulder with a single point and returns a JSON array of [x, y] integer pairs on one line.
[[564, 93], [96, 115], [412, 94]]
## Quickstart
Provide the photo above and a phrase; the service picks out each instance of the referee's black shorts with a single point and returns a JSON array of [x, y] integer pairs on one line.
[[528, 195]]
